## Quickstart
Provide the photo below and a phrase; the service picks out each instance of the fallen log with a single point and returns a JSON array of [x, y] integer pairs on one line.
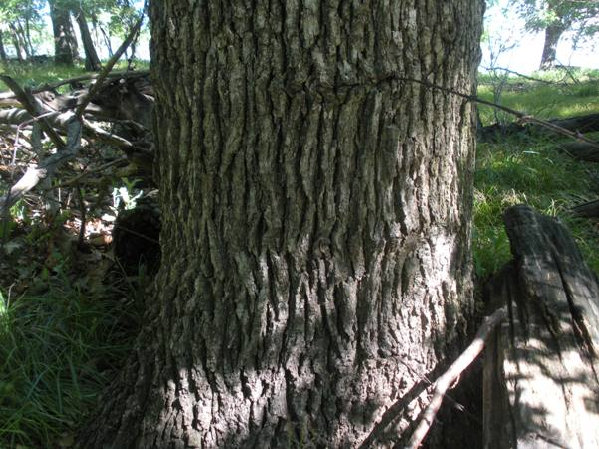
[[587, 210], [579, 125], [540, 375], [582, 151]]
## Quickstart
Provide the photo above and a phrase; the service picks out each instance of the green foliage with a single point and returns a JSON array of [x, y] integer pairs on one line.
[[538, 15], [11, 10], [56, 352]]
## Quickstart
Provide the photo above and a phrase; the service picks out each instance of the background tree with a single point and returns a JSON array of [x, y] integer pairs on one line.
[[20, 19], [65, 41], [92, 60], [316, 204], [554, 18]]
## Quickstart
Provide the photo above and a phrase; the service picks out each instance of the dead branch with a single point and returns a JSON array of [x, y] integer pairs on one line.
[[5, 97], [523, 118], [445, 382], [35, 173], [33, 107], [530, 78]]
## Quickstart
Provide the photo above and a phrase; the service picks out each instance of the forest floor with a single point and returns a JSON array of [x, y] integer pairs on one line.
[[68, 308]]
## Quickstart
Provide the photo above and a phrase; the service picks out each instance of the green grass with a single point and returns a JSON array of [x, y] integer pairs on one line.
[[36, 74], [31, 75], [545, 101], [526, 170], [55, 355], [535, 174]]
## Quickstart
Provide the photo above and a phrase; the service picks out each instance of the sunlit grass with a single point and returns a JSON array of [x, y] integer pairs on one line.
[[530, 170], [35, 74], [511, 173], [545, 101]]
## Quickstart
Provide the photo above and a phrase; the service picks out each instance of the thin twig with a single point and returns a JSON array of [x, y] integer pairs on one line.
[[446, 381], [521, 75]]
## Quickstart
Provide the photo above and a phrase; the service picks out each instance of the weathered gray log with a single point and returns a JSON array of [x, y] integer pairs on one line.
[[541, 388], [581, 124]]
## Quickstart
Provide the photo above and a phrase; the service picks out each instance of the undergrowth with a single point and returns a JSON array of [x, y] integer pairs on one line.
[[34, 74], [57, 352]]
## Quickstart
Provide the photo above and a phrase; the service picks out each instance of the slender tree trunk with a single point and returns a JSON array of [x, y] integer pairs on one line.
[[316, 202], [27, 35], [553, 34], [65, 43], [92, 61], [22, 36], [20, 53], [3, 56]]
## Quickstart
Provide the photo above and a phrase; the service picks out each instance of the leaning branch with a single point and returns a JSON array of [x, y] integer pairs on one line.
[[444, 382]]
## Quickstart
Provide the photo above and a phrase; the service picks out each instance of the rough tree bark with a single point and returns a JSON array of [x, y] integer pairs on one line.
[[316, 204], [65, 42], [92, 61]]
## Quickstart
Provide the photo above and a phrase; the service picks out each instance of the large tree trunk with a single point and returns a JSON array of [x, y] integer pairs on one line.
[[553, 33], [92, 61], [316, 203], [65, 42]]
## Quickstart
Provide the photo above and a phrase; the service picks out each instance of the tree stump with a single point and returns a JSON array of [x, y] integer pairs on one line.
[[135, 238], [540, 387]]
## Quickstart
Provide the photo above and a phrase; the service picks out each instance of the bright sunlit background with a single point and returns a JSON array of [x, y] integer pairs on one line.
[[507, 44]]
